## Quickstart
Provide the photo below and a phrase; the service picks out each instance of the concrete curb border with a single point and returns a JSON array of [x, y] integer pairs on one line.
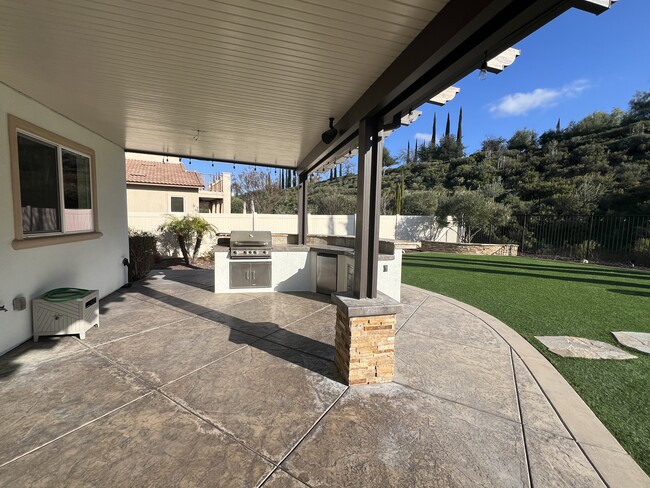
[[613, 463]]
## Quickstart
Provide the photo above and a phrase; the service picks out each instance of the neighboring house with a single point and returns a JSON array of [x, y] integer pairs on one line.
[[168, 187]]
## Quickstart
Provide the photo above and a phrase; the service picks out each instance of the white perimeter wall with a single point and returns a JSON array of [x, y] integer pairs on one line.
[[94, 264], [412, 228]]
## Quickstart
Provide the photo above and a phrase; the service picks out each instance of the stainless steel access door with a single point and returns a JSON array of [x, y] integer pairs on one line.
[[326, 270], [250, 275], [261, 275]]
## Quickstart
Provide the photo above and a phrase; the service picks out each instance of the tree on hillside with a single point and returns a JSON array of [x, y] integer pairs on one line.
[[387, 159], [472, 212], [523, 140], [448, 149], [640, 106], [423, 202], [448, 126], [459, 134], [333, 203]]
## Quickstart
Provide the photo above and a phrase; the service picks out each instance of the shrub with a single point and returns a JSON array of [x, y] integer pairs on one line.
[[142, 253], [642, 251]]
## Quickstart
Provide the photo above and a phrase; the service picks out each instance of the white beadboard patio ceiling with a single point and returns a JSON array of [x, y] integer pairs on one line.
[[257, 78]]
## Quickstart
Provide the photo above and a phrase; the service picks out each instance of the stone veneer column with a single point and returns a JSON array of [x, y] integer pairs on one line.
[[365, 339]]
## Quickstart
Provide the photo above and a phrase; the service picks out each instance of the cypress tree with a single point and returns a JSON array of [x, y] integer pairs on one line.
[[415, 152], [408, 151], [448, 126], [433, 131], [558, 127], [459, 135], [399, 196]]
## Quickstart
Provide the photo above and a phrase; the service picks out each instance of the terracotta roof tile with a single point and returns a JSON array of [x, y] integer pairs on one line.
[[167, 174]]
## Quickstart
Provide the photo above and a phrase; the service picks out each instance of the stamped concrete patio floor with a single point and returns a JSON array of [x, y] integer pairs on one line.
[[182, 387]]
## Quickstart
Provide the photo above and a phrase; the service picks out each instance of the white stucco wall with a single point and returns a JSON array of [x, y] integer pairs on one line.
[[93, 264]]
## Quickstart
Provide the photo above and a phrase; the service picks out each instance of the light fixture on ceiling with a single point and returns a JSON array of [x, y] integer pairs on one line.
[[329, 135], [482, 74]]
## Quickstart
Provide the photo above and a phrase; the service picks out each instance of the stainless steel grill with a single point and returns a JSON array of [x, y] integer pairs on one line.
[[250, 244]]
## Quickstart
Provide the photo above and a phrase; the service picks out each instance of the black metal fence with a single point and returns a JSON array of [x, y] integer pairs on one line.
[[600, 238]]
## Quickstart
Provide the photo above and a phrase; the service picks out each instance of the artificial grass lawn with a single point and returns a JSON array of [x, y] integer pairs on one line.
[[539, 297]]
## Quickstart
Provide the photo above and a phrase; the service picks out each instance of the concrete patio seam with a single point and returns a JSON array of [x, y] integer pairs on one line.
[[568, 414], [205, 365], [318, 420], [189, 409], [456, 402], [91, 346], [297, 320], [279, 468], [521, 419], [412, 314], [450, 341], [76, 429]]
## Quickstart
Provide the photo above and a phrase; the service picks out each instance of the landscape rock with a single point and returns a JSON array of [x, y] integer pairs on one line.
[[579, 347], [634, 340]]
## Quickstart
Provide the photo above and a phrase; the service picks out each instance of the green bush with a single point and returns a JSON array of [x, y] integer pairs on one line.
[[586, 249], [642, 251], [142, 254]]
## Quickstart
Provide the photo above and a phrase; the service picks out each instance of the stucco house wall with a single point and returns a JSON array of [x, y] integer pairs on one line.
[[152, 198], [92, 264]]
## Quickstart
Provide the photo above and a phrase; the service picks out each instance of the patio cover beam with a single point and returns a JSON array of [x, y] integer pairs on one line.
[[302, 208], [366, 244], [452, 45]]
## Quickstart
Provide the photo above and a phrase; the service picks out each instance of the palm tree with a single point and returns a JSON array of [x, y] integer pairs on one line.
[[185, 229], [201, 227]]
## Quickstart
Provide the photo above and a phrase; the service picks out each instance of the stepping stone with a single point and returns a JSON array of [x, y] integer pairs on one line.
[[634, 340], [579, 347]]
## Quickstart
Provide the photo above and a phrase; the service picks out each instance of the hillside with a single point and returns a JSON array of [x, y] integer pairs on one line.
[[599, 164]]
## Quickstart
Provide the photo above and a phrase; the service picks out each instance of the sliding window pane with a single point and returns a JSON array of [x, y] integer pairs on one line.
[[76, 192], [39, 186]]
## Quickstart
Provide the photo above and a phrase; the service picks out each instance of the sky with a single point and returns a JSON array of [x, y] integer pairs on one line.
[[577, 64]]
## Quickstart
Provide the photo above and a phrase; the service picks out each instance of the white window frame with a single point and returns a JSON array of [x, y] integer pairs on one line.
[[23, 241], [169, 204]]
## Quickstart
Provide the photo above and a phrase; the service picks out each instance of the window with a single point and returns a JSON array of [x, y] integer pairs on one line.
[[53, 186], [176, 204]]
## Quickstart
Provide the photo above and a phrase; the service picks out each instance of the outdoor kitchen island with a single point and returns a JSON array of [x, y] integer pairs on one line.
[[323, 264]]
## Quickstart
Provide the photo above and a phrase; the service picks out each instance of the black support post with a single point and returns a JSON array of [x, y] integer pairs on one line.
[[366, 247], [302, 207]]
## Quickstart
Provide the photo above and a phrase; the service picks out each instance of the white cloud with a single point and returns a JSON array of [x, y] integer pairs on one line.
[[540, 98], [423, 136]]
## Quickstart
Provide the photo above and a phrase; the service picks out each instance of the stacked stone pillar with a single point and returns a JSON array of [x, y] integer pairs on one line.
[[365, 339]]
